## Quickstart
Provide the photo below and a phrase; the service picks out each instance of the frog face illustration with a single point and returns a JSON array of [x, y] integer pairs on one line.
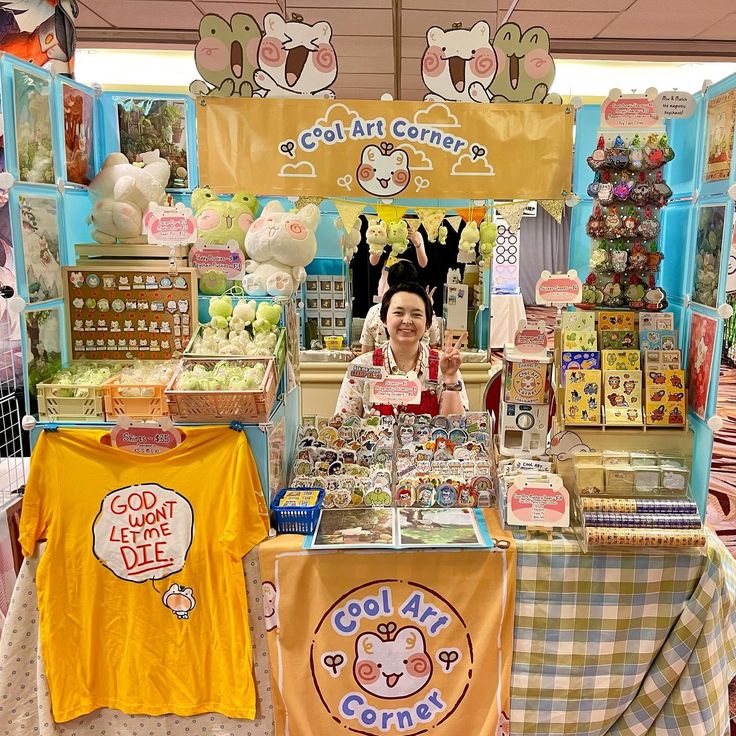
[[525, 69], [225, 55]]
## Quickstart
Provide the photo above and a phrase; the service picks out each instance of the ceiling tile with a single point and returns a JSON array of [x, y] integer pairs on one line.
[[666, 19], [574, 24], [366, 22], [415, 23], [562, 6], [227, 9], [723, 30], [89, 19], [489, 6], [174, 14]]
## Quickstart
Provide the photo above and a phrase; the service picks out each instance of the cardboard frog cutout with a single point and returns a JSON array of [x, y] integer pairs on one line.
[[226, 56], [525, 68]]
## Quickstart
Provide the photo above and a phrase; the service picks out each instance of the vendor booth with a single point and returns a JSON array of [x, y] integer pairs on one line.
[[214, 544]]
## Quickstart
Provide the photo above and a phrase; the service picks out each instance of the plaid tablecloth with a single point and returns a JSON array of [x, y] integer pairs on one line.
[[607, 643], [616, 643]]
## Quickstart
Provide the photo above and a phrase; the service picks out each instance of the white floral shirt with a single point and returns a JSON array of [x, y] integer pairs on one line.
[[355, 397], [374, 331]]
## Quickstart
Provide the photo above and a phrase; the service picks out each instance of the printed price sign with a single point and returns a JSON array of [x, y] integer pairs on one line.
[[145, 438], [169, 225], [227, 258], [538, 502], [559, 288], [396, 390]]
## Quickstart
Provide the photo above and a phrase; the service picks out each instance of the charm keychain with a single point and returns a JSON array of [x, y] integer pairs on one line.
[[617, 157], [654, 155], [596, 226], [642, 191], [613, 224], [661, 191], [597, 158], [649, 227], [622, 190], [594, 186], [630, 224], [636, 155], [605, 190]]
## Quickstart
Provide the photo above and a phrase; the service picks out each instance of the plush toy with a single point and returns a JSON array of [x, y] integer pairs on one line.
[[267, 317], [280, 244], [398, 236], [442, 234], [218, 222], [488, 232], [468, 240], [120, 193], [349, 241], [377, 238]]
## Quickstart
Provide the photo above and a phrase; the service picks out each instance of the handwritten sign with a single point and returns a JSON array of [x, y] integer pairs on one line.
[[145, 440], [396, 390], [629, 111], [143, 532], [227, 258], [559, 288], [674, 104], [540, 501], [169, 225]]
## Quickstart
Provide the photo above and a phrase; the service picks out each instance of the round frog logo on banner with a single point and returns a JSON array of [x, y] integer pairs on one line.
[[143, 532], [391, 657]]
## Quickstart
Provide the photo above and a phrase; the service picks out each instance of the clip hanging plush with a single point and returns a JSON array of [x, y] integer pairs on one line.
[[488, 232], [398, 237], [377, 239], [442, 234], [469, 237]]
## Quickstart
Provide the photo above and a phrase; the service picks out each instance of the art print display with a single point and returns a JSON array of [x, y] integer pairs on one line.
[[719, 136], [700, 362], [150, 124], [43, 345], [78, 134], [438, 528], [40, 237], [355, 528], [34, 142], [708, 247]]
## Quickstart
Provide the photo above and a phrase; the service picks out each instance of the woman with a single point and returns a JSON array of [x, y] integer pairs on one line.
[[406, 311], [374, 331]]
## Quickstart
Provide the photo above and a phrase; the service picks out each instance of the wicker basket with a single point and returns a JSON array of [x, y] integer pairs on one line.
[[223, 406]]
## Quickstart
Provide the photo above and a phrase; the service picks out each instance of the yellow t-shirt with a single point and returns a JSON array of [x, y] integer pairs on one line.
[[141, 589]]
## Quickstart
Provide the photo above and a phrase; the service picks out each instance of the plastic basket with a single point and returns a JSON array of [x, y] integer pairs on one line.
[[87, 405], [279, 351], [222, 406], [296, 519], [135, 407]]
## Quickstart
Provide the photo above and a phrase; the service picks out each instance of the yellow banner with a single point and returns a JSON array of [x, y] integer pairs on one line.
[[389, 644], [385, 149]]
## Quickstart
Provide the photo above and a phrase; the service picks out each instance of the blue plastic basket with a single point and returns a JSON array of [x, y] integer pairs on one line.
[[296, 519]]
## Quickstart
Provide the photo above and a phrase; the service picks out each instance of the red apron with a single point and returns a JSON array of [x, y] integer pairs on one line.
[[428, 403]]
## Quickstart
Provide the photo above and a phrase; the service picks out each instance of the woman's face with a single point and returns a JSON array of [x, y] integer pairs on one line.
[[406, 320]]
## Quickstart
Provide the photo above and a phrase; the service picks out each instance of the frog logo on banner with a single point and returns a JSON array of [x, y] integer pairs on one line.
[[391, 657]]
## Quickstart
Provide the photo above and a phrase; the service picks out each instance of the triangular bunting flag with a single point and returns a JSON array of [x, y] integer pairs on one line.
[[390, 212], [308, 200], [512, 212], [431, 218], [472, 214], [349, 212], [554, 207], [455, 222]]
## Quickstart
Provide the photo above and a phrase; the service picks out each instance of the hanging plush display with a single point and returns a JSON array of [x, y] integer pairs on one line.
[[488, 232]]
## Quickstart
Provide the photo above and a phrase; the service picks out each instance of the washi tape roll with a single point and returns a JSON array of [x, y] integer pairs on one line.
[[642, 521], [645, 537], [640, 505]]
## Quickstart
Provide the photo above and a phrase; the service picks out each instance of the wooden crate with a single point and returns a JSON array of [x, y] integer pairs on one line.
[[133, 255], [223, 406]]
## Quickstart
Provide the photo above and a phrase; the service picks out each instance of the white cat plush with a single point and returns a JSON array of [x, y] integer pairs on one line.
[[280, 244]]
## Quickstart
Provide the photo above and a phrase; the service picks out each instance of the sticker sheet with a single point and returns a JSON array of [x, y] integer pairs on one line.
[[621, 360], [622, 397], [583, 321], [619, 340], [579, 340], [583, 397], [616, 321], [666, 402], [658, 339], [662, 359], [585, 360], [656, 321]]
